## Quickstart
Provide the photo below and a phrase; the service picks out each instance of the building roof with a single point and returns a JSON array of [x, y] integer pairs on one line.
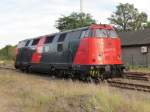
[[132, 38]]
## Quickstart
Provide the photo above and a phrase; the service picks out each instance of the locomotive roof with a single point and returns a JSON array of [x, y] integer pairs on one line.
[[134, 38], [74, 29], [57, 33], [93, 25]]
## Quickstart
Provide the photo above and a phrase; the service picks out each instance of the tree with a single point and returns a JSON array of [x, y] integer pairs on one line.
[[127, 17], [74, 20], [147, 25], [7, 53]]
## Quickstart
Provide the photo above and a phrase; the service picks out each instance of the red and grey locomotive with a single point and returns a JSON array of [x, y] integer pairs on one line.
[[93, 51]]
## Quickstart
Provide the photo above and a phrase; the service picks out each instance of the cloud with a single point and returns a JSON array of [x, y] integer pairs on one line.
[[21, 19]]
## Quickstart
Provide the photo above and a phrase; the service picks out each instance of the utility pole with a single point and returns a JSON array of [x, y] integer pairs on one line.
[[81, 6]]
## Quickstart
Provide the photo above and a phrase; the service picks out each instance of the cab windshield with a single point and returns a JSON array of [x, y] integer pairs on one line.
[[103, 33]]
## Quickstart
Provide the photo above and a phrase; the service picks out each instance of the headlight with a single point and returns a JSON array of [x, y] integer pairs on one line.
[[119, 57], [92, 67], [100, 57]]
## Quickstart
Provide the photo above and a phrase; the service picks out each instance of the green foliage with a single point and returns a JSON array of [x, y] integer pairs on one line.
[[7, 53], [74, 20], [127, 17], [147, 25], [139, 69]]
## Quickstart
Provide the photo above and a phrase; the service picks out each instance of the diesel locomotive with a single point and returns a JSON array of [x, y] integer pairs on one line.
[[88, 52]]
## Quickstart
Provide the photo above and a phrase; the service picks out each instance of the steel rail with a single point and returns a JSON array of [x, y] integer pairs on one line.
[[130, 86]]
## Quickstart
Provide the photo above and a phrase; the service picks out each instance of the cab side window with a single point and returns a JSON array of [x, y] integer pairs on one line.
[[112, 33], [60, 46], [86, 33], [21, 44], [27, 44], [62, 37], [49, 39], [46, 48], [35, 42]]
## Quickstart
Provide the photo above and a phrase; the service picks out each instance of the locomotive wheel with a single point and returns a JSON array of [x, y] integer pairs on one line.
[[101, 77], [29, 69], [98, 80], [22, 69], [70, 75], [123, 75], [82, 77], [89, 79], [52, 72]]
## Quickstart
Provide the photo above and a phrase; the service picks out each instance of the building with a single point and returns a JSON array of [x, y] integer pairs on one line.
[[136, 47]]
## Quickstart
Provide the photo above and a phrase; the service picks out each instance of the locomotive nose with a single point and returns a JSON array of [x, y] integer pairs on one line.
[[99, 51], [106, 51], [112, 51], [100, 57]]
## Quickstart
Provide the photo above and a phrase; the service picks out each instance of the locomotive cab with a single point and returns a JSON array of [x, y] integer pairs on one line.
[[100, 51]]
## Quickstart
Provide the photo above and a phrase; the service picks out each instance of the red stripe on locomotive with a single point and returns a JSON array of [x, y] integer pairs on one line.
[[36, 57]]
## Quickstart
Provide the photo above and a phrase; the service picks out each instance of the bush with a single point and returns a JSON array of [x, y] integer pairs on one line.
[[7, 53]]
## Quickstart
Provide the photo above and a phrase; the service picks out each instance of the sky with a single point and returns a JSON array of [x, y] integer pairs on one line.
[[22, 19]]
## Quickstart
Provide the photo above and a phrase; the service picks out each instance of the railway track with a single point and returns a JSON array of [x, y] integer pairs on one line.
[[129, 85], [137, 76], [7, 67], [128, 75], [135, 82]]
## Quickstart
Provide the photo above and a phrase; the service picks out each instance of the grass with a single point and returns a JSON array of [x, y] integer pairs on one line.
[[7, 63], [139, 69], [31, 93]]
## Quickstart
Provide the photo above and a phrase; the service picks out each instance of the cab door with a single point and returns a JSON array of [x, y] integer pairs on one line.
[[72, 48]]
